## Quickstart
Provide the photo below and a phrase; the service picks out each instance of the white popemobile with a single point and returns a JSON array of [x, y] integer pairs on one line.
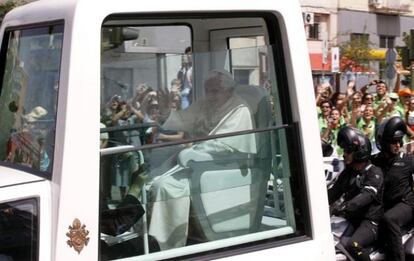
[[97, 143]]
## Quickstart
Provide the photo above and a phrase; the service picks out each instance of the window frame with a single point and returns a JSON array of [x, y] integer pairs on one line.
[[384, 41], [297, 173], [313, 32], [3, 60], [35, 202]]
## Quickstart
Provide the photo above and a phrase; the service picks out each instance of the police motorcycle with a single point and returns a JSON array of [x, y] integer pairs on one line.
[[355, 197], [342, 229]]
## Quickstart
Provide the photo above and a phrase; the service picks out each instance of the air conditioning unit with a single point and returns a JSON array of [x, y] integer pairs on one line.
[[376, 3], [308, 18]]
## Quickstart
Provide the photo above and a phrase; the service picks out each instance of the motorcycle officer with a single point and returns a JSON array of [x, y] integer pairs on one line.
[[360, 188], [398, 168]]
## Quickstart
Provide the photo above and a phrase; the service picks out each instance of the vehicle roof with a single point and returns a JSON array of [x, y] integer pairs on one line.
[[46, 10], [9, 177]]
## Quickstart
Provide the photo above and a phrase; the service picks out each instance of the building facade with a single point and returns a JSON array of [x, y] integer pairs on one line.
[[320, 21], [382, 22]]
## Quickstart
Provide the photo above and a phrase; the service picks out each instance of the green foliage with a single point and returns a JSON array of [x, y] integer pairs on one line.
[[406, 38], [357, 52], [9, 5]]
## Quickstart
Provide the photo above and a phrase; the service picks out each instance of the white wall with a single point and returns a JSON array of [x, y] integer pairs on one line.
[[329, 4], [329, 22]]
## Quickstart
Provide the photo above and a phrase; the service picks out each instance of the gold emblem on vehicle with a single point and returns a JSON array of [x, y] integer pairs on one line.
[[78, 236]]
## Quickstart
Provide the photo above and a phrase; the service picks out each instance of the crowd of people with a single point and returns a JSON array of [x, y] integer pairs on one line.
[[374, 192], [362, 108], [144, 112], [136, 120]]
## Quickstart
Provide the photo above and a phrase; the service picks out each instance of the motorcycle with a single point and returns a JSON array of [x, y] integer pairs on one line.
[[342, 230]]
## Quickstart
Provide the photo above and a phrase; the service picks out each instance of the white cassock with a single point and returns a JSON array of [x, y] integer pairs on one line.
[[170, 192]]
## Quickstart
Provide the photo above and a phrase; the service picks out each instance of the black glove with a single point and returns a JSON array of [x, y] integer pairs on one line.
[[351, 206], [337, 209]]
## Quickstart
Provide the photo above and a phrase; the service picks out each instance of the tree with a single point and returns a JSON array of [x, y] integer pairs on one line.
[[405, 52], [9, 5], [355, 53]]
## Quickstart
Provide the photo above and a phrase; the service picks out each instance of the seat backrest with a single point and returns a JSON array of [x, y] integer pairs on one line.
[[229, 198], [258, 101], [256, 98]]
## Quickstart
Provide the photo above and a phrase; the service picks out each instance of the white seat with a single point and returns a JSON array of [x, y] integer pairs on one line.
[[228, 193]]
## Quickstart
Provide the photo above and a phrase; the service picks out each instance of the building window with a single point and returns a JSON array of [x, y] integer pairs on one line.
[[363, 38], [247, 64], [314, 30], [386, 41], [242, 75]]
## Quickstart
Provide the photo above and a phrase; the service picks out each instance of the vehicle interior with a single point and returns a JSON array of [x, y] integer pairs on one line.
[[232, 167]]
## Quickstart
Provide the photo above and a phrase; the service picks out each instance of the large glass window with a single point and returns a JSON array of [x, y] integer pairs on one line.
[[19, 232], [195, 154], [386, 41], [28, 96]]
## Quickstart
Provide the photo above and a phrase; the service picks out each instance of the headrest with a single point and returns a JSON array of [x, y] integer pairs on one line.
[[252, 94]]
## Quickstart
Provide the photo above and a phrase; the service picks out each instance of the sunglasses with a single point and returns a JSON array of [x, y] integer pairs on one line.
[[395, 141]]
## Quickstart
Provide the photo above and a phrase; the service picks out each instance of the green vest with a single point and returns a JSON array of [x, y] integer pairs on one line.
[[367, 128], [378, 101]]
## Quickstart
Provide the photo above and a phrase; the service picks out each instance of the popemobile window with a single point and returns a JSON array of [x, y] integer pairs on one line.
[[194, 149], [28, 98]]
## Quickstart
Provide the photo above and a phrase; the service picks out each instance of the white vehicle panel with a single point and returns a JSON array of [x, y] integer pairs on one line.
[[9, 177]]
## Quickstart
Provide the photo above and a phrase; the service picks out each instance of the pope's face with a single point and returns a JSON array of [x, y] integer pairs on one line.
[[215, 93]]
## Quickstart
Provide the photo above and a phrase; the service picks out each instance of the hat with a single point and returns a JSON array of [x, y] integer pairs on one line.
[[381, 81], [393, 96], [404, 92], [154, 102], [115, 98], [35, 114], [225, 77]]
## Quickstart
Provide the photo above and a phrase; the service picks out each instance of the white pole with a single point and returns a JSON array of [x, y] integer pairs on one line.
[[144, 220]]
